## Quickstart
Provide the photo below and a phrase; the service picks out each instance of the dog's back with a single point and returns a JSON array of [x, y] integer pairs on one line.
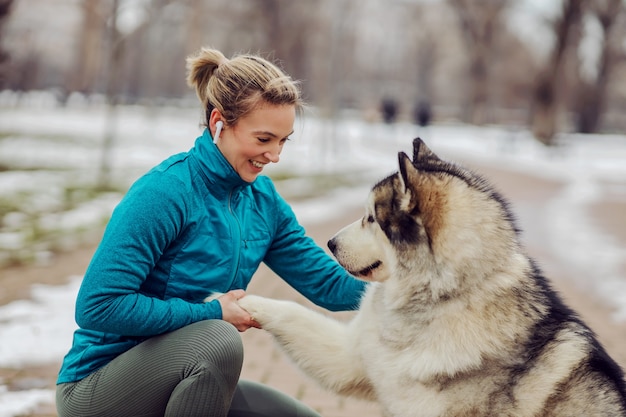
[[587, 381]]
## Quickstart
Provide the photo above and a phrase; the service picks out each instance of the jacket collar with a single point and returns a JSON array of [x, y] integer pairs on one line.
[[216, 171]]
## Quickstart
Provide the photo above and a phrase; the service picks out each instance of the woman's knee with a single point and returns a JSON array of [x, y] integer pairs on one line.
[[215, 340]]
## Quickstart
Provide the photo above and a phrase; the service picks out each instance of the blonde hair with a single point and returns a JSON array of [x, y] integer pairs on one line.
[[235, 86]]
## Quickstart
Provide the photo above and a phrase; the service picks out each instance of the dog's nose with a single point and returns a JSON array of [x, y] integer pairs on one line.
[[332, 245]]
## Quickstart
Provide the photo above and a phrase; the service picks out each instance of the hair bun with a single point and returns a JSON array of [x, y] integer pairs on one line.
[[200, 68]]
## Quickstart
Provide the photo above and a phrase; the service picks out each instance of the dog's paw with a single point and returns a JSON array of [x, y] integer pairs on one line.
[[264, 310]]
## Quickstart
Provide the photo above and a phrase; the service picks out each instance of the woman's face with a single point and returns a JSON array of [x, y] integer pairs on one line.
[[257, 139]]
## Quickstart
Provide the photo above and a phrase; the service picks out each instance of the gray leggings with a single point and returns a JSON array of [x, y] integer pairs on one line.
[[193, 371]]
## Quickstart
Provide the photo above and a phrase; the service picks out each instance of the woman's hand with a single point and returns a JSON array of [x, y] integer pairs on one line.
[[235, 315]]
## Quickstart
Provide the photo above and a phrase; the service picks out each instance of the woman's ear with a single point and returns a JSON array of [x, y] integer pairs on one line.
[[216, 124], [215, 117]]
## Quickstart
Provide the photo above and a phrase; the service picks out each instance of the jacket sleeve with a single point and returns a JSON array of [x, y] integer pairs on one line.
[[141, 226], [304, 265]]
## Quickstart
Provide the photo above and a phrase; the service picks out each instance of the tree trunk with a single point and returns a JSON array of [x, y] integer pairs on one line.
[[479, 22], [112, 90], [5, 9], [87, 66], [592, 97], [546, 105]]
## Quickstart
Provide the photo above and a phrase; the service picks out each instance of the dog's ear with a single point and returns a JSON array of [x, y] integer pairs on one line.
[[407, 169], [421, 152], [408, 177]]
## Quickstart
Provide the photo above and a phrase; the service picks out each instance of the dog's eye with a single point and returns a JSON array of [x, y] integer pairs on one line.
[[370, 219]]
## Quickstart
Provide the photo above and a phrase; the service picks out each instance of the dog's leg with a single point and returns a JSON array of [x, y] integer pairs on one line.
[[320, 346]]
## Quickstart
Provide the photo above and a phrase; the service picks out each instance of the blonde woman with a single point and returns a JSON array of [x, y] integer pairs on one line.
[[198, 223]]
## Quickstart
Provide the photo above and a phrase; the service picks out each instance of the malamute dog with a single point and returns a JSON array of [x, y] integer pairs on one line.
[[458, 321]]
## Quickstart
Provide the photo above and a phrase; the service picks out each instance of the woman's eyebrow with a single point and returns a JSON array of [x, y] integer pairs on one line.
[[268, 133]]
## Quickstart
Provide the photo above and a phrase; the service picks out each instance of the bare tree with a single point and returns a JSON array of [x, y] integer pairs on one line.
[[480, 22], [593, 90], [5, 9], [289, 27], [196, 14], [546, 101], [113, 66], [87, 69]]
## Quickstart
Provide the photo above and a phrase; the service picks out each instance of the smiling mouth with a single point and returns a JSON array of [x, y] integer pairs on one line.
[[257, 164], [366, 271]]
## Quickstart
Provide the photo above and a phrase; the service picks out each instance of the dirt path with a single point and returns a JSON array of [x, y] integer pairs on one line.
[[16, 281]]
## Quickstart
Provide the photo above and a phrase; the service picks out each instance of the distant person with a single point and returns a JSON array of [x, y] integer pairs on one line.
[[198, 223], [423, 113], [389, 110]]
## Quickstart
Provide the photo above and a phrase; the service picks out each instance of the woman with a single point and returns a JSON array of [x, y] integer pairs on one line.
[[199, 223]]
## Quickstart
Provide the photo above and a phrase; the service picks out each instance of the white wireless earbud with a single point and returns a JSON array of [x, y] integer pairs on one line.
[[218, 129]]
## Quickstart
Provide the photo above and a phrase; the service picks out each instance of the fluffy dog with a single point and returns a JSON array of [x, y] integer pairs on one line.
[[458, 320]]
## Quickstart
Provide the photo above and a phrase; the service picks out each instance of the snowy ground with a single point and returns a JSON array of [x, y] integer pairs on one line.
[[45, 136]]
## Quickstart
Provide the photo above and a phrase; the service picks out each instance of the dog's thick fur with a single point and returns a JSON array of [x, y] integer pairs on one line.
[[458, 321]]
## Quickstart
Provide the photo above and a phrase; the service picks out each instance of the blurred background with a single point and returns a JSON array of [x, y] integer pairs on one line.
[[552, 65]]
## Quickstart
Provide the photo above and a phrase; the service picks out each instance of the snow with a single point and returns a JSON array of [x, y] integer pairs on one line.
[[38, 330], [17, 403]]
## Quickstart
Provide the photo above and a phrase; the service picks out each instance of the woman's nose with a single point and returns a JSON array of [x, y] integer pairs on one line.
[[273, 155]]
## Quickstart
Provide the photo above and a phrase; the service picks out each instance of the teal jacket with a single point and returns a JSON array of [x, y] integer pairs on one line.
[[190, 227]]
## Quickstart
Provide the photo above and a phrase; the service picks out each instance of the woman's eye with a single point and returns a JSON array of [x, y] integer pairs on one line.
[[263, 140]]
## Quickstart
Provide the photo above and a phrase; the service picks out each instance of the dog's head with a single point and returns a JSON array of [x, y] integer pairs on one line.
[[432, 221]]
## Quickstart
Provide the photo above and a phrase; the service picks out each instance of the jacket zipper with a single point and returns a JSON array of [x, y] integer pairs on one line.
[[237, 229]]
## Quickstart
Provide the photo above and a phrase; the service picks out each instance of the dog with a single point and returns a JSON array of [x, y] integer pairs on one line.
[[457, 321]]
